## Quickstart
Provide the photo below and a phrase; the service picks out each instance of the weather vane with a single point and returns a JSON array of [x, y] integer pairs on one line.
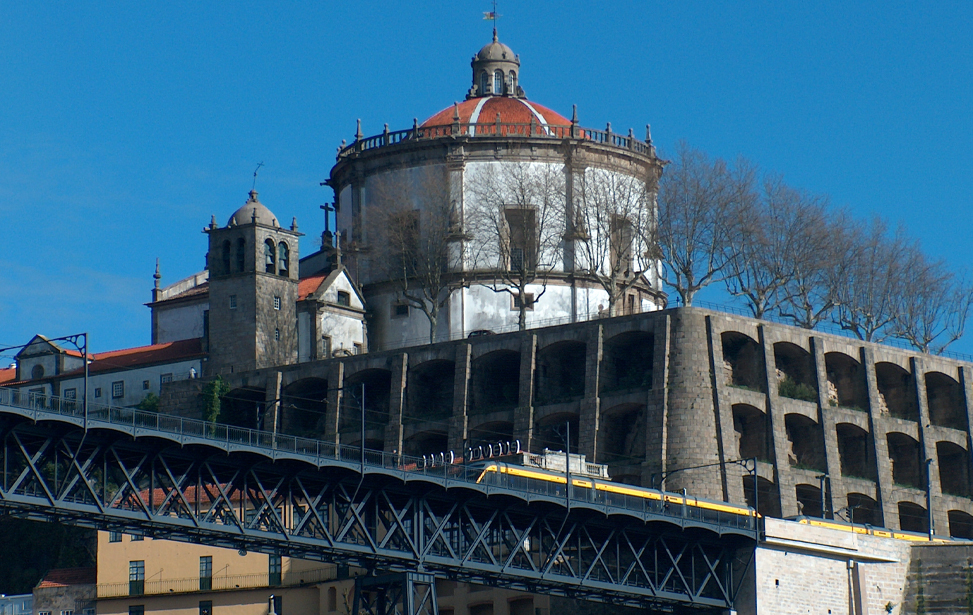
[[492, 16], [254, 186]]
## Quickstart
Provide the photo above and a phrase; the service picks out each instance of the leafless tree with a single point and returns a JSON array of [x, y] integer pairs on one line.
[[934, 306], [765, 264], [421, 247], [871, 289], [702, 204], [615, 224], [518, 223]]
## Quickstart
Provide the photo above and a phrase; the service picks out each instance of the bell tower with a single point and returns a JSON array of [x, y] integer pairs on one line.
[[253, 280]]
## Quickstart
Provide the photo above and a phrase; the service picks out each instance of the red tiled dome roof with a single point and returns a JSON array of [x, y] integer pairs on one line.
[[484, 110]]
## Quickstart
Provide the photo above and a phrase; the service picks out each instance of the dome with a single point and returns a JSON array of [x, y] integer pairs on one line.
[[496, 51], [485, 111], [253, 207]]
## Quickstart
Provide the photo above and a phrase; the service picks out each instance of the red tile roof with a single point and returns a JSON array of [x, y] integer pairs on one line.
[[307, 286], [145, 355], [8, 374], [485, 111], [62, 577]]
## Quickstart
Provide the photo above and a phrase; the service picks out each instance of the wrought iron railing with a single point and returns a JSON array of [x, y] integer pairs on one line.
[[218, 583], [40, 407], [533, 129]]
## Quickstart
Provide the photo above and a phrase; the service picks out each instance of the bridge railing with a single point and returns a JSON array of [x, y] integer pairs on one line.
[[39, 407], [217, 583]]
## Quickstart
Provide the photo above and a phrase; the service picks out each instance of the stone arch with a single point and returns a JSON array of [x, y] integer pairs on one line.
[[769, 504], [913, 518], [304, 406], [241, 254], [863, 509], [244, 407], [743, 361], [806, 442], [809, 500], [560, 374], [627, 362], [495, 382], [430, 390], [377, 385], [796, 377], [945, 398], [905, 456], [622, 434], [551, 431], [896, 391], [270, 256], [960, 524], [854, 451], [752, 432], [428, 442], [954, 469], [491, 433], [225, 259], [283, 259], [846, 381]]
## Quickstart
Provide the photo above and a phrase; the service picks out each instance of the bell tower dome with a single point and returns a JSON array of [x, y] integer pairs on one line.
[[496, 71]]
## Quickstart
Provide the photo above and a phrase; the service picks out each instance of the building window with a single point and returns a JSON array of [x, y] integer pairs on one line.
[[97, 391], [88, 611], [270, 266], [205, 572], [37, 372], [205, 607], [226, 257], [344, 298], [400, 310], [358, 348], [528, 299], [283, 259], [114, 536], [118, 389], [332, 599], [136, 609], [274, 569], [276, 335], [484, 80], [136, 577], [136, 537], [165, 378], [622, 236], [67, 612], [277, 303], [241, 254], [232, 302], [43, 613], [326, 345], [513, 83], [145, 385], [70, 393], [498, 82], [521, 238]]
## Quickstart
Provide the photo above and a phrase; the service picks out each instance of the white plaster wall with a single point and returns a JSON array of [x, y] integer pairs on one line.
[[133, 379], [345, 331], [303, 337], [180, 323]]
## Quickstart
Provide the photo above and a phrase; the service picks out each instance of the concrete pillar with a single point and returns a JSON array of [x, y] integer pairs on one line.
[[966, 380], [393, 429], [786, 494], [524, 414], [731, 476], [829, 432], [927, 444], [459, 422], [336, 378], [884, 485], [656, 403], [589, 419]]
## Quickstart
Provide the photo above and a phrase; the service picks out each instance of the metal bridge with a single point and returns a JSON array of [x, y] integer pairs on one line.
[[175, 478]]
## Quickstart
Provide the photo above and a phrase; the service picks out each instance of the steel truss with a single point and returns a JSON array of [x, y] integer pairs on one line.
[[109, 480]]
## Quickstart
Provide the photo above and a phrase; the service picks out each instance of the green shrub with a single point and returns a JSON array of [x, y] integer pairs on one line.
[[789, 388]]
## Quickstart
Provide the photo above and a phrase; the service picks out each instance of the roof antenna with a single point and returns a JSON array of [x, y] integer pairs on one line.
[[254, 186]]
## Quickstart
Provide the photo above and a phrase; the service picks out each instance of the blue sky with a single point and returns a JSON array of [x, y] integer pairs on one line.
[[124, 126]]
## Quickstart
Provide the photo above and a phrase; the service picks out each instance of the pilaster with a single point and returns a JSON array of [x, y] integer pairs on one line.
[[829, 432], [589, 419], [393, 430], [459, 422], [786, 494], [524, 415]]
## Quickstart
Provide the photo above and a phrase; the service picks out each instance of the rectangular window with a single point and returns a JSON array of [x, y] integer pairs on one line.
[[136, 577], [114, 536], [522, 238], [205, 572], [118, 389], [97, 391], [88, 611], [232, 302], [43, 613], [277, 303], [344, 298], [136, 609], [70, 393], [621, 238], [528, 299], [326, 346], [205, 607], [359, 348], [400, 310], [145, 385], [67, 612], [135, 537], [276, 335], [275, 568], [164, 378]]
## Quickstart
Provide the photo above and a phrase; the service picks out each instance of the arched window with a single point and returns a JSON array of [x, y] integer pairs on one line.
[[270, 266], [241, 254], [498, 82], [226, 257], [283, 257], [37, 372], [484, 81], [513, 83]]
